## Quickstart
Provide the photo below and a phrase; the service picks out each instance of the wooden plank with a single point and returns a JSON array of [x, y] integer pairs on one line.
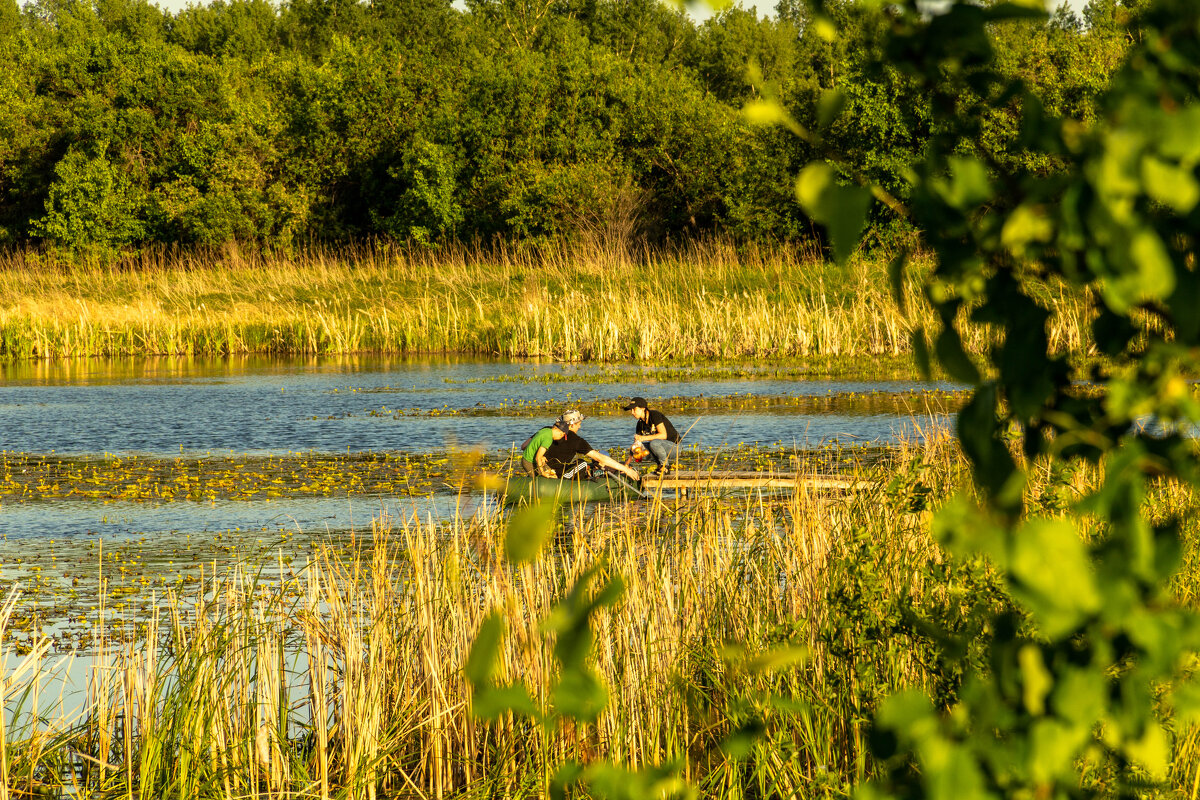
[[750, 480]]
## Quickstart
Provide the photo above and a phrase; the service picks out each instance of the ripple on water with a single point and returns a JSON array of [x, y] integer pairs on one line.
[[260, 405]]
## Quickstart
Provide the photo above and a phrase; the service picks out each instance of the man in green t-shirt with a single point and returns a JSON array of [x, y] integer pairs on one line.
[[533, 457]]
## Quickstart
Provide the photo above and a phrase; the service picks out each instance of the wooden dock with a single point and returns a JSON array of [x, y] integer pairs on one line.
[[716, 481]]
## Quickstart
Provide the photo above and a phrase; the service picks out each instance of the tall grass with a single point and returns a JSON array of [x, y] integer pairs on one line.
[[346, 681], [700, 300]]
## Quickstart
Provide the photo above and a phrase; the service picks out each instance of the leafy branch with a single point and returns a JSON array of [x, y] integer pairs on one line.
[[1073, 703]]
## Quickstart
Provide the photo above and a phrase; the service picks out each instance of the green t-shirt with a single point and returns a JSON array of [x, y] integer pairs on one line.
[[542, 438]]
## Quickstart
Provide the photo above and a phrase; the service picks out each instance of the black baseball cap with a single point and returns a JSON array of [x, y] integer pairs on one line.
[[636, 402]]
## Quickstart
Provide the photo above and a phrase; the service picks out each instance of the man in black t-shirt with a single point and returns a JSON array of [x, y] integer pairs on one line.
[[561, 453], [654, 431]]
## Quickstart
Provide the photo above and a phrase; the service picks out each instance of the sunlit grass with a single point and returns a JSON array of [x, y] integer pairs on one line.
[[707, 300], [343, 677], [349, 676]]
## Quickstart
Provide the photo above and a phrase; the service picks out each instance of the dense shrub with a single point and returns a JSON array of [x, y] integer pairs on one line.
[[122, 125]]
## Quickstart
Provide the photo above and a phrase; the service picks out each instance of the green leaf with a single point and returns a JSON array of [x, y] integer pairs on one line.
[[825, 28], [493, 702], [812, 183], [1152, 751], [1177, 138], [528, 529], [920, 346], [1158, 636], [1155, 272], [580, 695], [992, 463], [1052, 574], [1186, 297], [568, 774], [1114, 173], [1112, 332], [1079, 696], [741, 740], [1170, 184], [910, 715], [841, 209], [1152, 276], [766, 112], [896, 278], [1036, 680], [950, 354], [848, 207], [969, 185], [488, 701], [605, 781], [571, 618], [953, 774], [830, 106], [963, 529], [1025, 225], [481, 659], [1054, 745], [777, 659], [1185, 700]]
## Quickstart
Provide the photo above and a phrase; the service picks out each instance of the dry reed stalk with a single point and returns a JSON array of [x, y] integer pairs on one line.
[[713, 300], [384, 634], [268, 709], [7, 682], [318, 677]]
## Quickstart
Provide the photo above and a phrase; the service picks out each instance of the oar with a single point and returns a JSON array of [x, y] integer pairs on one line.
[[628, 484]]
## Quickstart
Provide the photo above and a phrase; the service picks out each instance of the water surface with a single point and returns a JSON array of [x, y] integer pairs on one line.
[[173, 406]]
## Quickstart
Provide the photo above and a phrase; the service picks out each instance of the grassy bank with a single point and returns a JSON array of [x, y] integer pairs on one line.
[[347, 680], [702, 300]]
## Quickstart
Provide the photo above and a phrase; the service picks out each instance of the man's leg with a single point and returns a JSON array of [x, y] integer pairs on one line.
[[664, 452], [576, 472], [527, 467]]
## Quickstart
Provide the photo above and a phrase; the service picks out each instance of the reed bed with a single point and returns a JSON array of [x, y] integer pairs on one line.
[[347, 680], [709, 299]]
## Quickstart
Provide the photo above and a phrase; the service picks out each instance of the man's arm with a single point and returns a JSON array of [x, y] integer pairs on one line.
[[610, 462]]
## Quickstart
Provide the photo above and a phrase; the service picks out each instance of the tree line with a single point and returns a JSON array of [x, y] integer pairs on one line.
[[122, 125]]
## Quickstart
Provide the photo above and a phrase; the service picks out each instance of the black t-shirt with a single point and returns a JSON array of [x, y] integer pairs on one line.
[[655, 417], [561, 453]]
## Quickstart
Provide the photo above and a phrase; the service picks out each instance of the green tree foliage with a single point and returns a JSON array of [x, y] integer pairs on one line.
[[530, 119], [246, 29], [10, 19], [136, 20], [90, 203], [644, 31], [734, 43]]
